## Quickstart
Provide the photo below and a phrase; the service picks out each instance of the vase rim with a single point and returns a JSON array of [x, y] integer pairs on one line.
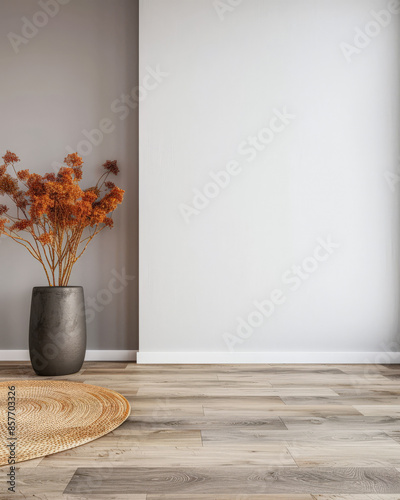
[[51, 287]]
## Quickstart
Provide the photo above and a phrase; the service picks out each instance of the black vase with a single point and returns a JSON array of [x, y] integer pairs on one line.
[[57, 330]]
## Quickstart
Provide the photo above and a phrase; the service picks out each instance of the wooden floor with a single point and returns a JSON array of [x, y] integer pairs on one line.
[[232, 432]]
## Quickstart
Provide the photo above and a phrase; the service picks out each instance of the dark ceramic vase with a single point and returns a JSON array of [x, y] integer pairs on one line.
[[57, 330]]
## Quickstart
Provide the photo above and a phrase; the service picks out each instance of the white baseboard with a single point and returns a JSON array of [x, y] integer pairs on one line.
[[268, 357], [226, 357], [91, 355]]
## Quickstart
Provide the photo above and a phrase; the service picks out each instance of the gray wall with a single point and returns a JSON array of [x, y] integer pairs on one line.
[[61, 78], [273, 131]]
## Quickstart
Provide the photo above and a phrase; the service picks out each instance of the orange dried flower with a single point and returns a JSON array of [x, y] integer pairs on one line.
[[40, 206], [21, 225], [46, 238], [90, 196], [20, 200], [23, 175], [112, 199], [36, 185], [3, 223], [108, 222], [94, 190], [65, 174], [8, 185], [111, 166], [50, 177], [73, 160], [78, 173], [10, 158], [54, 211], [98, 216]]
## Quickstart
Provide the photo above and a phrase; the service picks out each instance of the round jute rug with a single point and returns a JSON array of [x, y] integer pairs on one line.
[[42, 417]]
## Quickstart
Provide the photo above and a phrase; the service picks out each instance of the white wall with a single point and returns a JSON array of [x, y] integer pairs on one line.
[[62, 80], [323, 174]]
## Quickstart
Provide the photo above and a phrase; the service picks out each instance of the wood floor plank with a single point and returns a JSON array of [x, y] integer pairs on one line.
[[244, 480], [379, 410], [395, 435], [231, 497], [98, 496], [32, 481], [141, 437], [274, 497], [205, 389], [239, 389], [227, 403], [273, 455], [393, 376], [355, 400], [258, 437], [195, 410], [340, 422], [333, 381], [286, 411], [29, 464], [345, 497], [371, 390], [159, 422], [356, 497], [364, 454]]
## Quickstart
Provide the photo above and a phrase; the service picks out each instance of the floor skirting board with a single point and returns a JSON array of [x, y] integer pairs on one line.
[[225, 357], [268, 357], [91, 355]]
